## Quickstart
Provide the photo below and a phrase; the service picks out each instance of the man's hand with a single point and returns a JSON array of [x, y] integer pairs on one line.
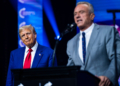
[[104, 81]]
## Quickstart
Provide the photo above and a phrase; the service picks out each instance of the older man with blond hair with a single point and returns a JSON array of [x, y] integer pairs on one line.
[[33, 55]]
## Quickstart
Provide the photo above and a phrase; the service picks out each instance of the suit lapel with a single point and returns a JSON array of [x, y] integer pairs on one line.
[[21, 57], [37, 57], [76, 56], [93, 37]]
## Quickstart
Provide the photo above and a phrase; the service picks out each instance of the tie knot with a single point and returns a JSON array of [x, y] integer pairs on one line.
[[30, 50], [83, 33]]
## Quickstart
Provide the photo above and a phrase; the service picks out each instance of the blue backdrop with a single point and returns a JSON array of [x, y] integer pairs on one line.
[[30, 12]]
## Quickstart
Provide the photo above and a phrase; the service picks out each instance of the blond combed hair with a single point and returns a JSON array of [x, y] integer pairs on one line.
[[27, 27]]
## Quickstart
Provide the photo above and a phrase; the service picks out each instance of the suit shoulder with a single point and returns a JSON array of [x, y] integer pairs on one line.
[[106, 27], [72, 40], [18, 49], [45, 48]]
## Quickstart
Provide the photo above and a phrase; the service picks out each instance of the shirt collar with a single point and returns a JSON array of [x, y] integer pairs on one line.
[[33, 48], [88, 29]]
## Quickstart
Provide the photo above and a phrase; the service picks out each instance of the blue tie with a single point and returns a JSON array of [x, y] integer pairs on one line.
[[83, 46]]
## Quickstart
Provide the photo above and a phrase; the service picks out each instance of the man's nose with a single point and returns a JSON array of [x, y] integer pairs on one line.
[[78, 15], [26, 36]]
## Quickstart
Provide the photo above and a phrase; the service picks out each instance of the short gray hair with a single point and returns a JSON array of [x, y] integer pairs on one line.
[[91, 10]]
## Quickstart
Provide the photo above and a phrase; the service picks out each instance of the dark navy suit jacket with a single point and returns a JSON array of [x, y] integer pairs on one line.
[[43, 58]]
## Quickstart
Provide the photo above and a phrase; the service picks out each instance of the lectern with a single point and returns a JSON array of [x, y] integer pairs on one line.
[[54, 76]]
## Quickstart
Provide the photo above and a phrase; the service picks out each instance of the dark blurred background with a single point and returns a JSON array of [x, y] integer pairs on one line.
[[8, 36]]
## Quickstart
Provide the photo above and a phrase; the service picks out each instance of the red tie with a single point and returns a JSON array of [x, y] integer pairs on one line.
[[27, 62]]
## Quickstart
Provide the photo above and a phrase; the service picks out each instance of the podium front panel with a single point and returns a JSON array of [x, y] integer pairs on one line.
[[54, 76], [50, 82]]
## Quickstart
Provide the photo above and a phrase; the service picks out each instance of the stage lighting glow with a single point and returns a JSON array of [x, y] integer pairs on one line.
[[21, 1], [58, 37], [49, 12], [46, 42]]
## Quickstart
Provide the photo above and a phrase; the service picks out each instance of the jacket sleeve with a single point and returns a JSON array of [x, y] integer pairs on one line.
[[113, 50], [70, 60], [9, 80]]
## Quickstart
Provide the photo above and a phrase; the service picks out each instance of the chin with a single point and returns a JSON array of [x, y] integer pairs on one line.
[[79, 25], [27, 44]]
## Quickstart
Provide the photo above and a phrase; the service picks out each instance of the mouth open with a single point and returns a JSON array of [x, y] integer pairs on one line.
[[79, 20]]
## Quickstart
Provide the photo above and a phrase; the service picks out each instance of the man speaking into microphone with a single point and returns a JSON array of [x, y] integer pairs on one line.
[[93, 47]]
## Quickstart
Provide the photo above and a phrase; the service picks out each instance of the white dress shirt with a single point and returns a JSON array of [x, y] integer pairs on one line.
[[88, 32], [34, 48]]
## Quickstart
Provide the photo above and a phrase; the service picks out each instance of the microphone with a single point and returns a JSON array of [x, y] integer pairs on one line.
[[70, 28]]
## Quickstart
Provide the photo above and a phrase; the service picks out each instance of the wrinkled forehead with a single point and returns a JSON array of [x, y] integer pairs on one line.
[[25, 30]]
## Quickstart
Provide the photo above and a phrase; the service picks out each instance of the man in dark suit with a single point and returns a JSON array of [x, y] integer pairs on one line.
[[33, 55], [93, 48]]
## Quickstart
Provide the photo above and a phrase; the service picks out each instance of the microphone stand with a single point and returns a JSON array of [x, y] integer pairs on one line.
[[69, 28], [114, 17]]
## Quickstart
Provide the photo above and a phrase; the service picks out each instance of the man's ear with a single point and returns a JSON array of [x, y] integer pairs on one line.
[[35, 35], [92, 16]]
